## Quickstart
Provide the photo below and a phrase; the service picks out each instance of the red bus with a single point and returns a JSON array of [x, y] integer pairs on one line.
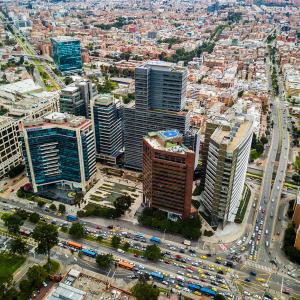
[[125, 265], [74, 244]]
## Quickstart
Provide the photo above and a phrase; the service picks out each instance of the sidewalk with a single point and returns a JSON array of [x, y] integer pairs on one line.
[[234, 231]]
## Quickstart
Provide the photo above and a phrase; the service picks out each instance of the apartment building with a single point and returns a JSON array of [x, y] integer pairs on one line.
[[227, 148], [168, 169]]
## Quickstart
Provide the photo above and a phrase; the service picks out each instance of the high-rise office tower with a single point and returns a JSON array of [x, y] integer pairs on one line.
[[66, 53], [75, 98], [107, 119], [59, 149], [228, 149], [168, 169], [160, 90]]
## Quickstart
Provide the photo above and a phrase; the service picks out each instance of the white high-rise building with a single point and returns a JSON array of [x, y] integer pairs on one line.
[[228, 153], [10, 154]]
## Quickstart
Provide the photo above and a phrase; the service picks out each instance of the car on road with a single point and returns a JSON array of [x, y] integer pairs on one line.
[[291, 274]]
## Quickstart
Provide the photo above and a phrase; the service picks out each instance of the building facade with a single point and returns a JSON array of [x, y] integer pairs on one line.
[[296, 214], [75, 98], [10, 154], [59, 149], [107, 119], [226, 166], [168, 169], [66, 53], [160, 90]]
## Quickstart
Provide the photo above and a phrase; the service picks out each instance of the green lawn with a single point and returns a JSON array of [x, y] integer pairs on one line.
[[9, 264]]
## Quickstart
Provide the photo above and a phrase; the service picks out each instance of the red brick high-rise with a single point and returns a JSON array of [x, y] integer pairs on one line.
[[168, 168]]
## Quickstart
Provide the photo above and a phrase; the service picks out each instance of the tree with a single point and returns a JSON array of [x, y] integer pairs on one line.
[[264, 140], [296, 178], [259, 148], [254, 141], [36, 274], [144, 291], [78, 198], [219, 297], [25, 288], [115, 241], [77, 230], [18, 246], [22, 213], [41, 203], [34, 217], [68, 80], [122, 203], [152, 252], [52, 206], [126, 246], [104, 260], [13, 223], [62, 208], [46, 235]]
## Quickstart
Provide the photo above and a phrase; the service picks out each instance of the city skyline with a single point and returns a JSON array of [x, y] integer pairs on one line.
[[150, 150]]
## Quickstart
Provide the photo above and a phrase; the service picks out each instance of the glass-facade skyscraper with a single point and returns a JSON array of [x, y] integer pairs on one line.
[[59, 149], [160, 90], [66, 53]]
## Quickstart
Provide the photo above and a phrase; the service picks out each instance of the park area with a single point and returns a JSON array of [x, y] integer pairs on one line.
[[9, 264], [108, 189]]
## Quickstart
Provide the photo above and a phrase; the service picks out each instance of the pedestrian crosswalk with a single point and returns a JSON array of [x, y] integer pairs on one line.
[[258, 266]]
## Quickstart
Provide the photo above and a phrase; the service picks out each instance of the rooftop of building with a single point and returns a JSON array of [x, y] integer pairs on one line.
[[167, 140], [65, 38], [234, 136], [22, 87], [5, 120], [163, 66], [104, 99], [64, 291], [85, 284], [21, 103], [58, 119]]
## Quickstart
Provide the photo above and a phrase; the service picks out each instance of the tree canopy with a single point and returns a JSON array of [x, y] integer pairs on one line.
[[46, 235], [104, 260], [13, 223], [122, 203], [77, 230], [152, 252], [18, 246], [115, 241], [144, 291], [34, 217]]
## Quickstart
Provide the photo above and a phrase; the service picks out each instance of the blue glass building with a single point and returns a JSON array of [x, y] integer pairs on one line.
[[66, 53], [59, 149]]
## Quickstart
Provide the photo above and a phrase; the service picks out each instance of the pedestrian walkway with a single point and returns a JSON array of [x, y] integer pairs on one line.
[[257, 266]]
